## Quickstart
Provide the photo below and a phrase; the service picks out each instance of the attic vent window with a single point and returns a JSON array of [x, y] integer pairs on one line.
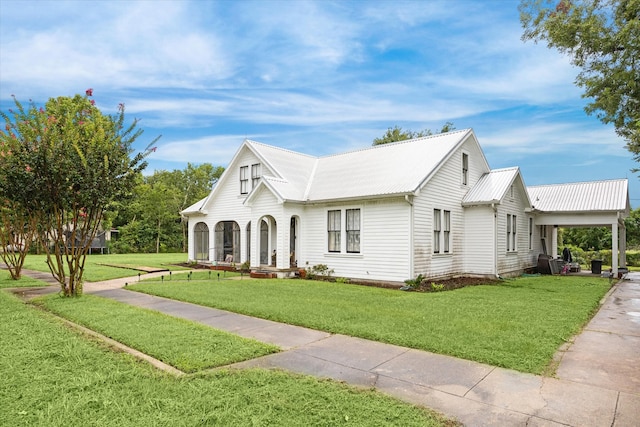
[[465, 169]]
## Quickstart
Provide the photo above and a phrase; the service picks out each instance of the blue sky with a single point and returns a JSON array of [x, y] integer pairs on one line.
[[319, 77]]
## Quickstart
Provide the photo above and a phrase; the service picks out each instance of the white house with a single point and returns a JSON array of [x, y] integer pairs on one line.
[[428, 206]]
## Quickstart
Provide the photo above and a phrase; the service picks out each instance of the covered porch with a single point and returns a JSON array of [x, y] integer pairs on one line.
[[585, 204]]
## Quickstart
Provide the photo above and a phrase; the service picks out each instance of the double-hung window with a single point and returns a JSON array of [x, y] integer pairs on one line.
[[446, 227], [244, 179], [511, 232], [334, 230], [353, 230], [255, 175], [436, 231], [530, 233]]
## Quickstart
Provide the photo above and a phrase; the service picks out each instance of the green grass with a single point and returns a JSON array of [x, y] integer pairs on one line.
[[96, 270], [518, 325], [52, 376], [183, 344], [23, 282]]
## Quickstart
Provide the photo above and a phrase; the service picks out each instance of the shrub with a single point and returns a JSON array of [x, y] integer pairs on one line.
[[319, 270]]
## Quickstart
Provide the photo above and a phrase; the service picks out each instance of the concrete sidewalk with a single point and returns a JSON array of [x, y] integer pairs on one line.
[[597, 384], [598, 380]]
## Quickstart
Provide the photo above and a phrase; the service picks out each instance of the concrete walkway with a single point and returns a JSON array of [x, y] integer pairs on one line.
[[597, 384]]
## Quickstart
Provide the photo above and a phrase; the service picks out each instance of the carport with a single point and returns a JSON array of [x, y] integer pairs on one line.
[[584, 204]]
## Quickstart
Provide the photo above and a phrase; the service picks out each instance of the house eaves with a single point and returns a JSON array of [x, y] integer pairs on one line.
[[492, 187], [195, 209], [447, 156]]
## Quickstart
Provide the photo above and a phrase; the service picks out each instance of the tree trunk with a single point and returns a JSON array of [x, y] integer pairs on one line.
[[158, 238]]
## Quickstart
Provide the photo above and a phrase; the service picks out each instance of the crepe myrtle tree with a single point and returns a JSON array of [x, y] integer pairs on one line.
[[17, 232], [64, 164]]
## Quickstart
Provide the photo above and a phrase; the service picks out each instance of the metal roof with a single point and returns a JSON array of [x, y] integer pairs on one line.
[[491, 187], [610, 195], [197, 207], [394, 168]]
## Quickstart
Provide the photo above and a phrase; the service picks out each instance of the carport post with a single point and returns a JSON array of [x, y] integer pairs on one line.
[[623, 245], [614, 249]]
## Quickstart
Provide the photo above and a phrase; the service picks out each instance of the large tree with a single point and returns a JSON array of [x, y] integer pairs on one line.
[[398, 134], [152, 221], [64, 164], [602, 37]]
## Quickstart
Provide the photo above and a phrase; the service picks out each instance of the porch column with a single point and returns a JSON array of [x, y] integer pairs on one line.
[[614, 249], [623, 245], [554, 242], [255, 243]]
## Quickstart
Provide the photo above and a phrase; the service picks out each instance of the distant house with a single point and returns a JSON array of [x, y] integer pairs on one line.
[[428, 206]]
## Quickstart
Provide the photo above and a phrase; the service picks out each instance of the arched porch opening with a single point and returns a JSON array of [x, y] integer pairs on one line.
[[294, 249], [227, 242], [201, 241], [267, 240]]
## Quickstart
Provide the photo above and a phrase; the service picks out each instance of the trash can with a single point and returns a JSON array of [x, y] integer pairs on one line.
[[596, 266]]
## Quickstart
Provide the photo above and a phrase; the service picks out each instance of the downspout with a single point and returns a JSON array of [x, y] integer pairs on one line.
[[495, 240], [409, 200]]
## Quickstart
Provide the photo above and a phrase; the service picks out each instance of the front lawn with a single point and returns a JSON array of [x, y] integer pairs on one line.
[[103, 267], [183, 344], [7, 282], [518, 324], [53, 376]]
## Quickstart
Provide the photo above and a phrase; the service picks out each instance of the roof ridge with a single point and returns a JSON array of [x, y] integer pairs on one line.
[[280, 148], [394, 143], [505, 169], [579, 182]]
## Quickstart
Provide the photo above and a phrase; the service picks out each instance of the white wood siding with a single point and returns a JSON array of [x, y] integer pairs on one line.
[[227, 205], [514, 262], [479, 247], [384, 240], [445, 192]]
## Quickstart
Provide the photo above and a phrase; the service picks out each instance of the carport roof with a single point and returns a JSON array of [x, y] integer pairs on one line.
[[592, 196]]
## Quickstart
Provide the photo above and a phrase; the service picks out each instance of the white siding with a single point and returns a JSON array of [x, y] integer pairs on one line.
[[384, 241], [227, 205], [479, 248], [445, 191], [514, 262]]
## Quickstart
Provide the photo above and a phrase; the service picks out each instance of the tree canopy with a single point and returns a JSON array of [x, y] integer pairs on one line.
[[602, 37], [151, 222], [398, 134], [63, 164]]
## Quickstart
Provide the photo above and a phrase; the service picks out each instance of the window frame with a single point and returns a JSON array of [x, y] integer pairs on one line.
[[446, 231], [255, 175], [244, 180], [512, 230], [352, 234], [437, 227], [465, 169], [334, 230]]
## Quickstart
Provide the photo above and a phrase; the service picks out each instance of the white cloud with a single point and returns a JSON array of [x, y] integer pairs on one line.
[[217, 149]]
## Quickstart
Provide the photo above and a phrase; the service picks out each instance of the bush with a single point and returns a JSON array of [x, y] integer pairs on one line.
[[319, 270]]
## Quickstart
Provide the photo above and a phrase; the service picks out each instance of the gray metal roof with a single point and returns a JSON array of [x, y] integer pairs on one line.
[[491, 187], [388, 169], [610, 195]]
